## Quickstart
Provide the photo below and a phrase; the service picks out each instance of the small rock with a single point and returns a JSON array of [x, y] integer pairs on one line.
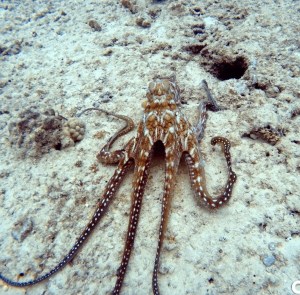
[[170, 246], [129, 5], [94, 25], [22, 229], [269, 260], [142, 22], [107, 52], [106, 97], [272, 246]]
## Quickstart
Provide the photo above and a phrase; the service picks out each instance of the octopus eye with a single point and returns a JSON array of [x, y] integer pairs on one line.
[[152, 87], [165, 85]]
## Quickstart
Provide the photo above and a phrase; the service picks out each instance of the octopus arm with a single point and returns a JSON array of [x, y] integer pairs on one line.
[[197, 176], [139, 183], [102, 206]]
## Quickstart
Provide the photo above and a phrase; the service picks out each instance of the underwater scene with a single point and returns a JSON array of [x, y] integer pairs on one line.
[[149, 147]]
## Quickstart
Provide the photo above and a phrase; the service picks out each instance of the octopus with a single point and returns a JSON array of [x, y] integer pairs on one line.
[[164, 123]]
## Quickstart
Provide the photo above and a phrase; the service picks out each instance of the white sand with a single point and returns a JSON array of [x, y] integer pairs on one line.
[[65, 65]]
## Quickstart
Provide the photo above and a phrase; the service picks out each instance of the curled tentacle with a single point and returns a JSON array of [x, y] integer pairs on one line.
[[197, 175], [105, 155], [107, 196]]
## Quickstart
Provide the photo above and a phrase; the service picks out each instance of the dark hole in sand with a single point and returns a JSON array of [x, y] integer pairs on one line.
[[225, 70], [58, 146]]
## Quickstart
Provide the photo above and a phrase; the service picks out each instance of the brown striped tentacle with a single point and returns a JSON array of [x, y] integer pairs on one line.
[[210, 104], [107, 196], [171, 169], [124, 130], [105, 155], [200, 127], [197, 175], [112, 157], [139, 183]]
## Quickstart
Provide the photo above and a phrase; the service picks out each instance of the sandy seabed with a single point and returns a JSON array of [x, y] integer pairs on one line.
[[71, 55]]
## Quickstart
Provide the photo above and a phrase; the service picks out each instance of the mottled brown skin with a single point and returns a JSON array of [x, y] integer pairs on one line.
[[162, 121]]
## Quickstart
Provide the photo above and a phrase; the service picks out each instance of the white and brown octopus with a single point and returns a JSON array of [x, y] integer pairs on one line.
[[162, 122]]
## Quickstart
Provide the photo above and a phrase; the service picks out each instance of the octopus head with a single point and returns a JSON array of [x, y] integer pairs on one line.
[[163, 92]]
